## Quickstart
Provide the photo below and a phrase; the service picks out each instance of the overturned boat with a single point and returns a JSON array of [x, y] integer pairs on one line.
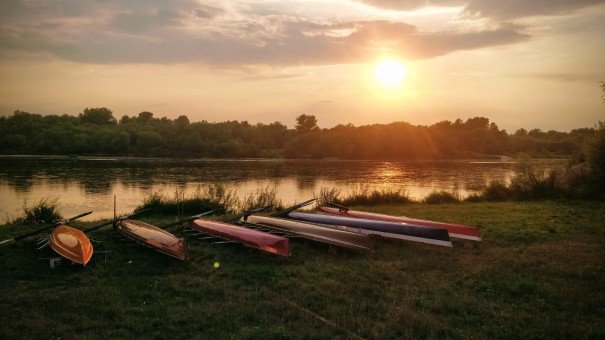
[[253, 238], [71, 243], [460, 231], [341, 238], [153, 237], [409, 232]]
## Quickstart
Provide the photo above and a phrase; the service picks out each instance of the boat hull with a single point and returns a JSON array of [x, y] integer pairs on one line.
[[153, 237], [436, 236], [71, 243], [314, 232], [460, 231], [253, 238]]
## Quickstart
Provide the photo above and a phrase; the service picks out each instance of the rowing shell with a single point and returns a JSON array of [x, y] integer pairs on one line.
[[154, 238], [460, 231], [436, 236], [314, 232], [253, 238]]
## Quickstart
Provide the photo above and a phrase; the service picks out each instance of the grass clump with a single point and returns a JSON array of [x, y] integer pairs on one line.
[[363, 195], [46, 210], [439, 197]]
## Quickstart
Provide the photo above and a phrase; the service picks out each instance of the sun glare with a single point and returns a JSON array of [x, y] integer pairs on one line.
[[390, 73]]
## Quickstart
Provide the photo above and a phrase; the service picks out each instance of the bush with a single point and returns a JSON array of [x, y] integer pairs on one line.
[[44, 212], [437, 197]]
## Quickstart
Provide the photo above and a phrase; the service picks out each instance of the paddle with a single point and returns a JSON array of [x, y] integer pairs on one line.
[[246, 214], [56, 223], [114, 220], [292, 208], [189, 218]]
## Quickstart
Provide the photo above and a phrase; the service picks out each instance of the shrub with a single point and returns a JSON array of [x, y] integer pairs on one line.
[[45, 211], [437, 197]]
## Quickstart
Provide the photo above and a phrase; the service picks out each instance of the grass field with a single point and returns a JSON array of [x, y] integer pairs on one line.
[[538, 273]]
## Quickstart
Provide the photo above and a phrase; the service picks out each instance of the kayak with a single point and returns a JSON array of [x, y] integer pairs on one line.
[[455, 230], [314, 232], [253, 238], [71, 243], [436, 236], [153, 237]]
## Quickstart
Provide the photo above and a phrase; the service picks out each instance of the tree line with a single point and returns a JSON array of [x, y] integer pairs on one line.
[[96, 131]]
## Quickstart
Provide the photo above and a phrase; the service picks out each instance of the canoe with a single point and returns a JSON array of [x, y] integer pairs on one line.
[[455, 230], [314, 232], [153, 237], [253, 238], [436, 236], [71, 243]]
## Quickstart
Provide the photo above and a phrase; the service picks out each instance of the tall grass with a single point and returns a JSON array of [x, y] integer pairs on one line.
[[263, 197], [363, 194], [205, 198], [45, 210]]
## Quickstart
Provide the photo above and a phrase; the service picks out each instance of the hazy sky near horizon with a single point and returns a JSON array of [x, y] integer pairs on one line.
[[522, 64]]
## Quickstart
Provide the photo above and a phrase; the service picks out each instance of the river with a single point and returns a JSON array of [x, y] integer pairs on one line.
[[89, 183]]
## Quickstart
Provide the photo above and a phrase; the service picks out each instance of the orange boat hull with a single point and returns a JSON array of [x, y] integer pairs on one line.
[[154, 237], [71, 243]]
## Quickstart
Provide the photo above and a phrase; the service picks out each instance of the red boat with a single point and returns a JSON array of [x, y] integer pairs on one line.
[[455, 230], [153, 237], [253, 238]]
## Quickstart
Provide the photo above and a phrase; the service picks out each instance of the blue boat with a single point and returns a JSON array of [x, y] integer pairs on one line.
[[410, 232]]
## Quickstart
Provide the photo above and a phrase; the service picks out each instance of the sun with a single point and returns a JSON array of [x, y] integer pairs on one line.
[[390, 73]]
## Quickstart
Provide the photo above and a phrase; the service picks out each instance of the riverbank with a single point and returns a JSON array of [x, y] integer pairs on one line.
[[538, 273]]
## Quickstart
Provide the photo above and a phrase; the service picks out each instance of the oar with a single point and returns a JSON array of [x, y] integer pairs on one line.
[[56, 223], [246, 214], [114, 220], [189, 218], [292, 208]]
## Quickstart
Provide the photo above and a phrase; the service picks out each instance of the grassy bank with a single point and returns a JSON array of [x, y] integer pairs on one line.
[[538, 273]]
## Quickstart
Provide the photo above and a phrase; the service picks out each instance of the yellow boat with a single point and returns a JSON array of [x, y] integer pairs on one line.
[[71, 243]]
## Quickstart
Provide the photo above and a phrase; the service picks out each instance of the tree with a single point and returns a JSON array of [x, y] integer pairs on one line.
[[306, 123], [603, 89], [98, 115], [145, 117]]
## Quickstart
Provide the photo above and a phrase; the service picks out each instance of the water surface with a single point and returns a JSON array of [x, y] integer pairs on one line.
[[89, 183]]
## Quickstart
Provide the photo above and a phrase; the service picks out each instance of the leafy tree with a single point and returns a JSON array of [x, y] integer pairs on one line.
[[99, 116], [306, 123], [145, 117]]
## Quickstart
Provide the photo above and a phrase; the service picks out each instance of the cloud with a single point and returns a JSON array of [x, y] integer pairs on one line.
[[188, 31], [493, 9]]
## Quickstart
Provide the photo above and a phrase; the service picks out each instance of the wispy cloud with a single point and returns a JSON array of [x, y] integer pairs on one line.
[[494, 9]]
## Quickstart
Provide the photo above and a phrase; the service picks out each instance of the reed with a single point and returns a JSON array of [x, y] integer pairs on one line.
[[263, 197]]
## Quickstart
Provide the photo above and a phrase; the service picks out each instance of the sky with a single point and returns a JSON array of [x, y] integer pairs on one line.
[[522, 64]]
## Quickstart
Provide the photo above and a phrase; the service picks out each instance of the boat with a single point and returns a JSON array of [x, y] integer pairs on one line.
[[313, 232], [153, 237], [455, 230], [253, 238], [71, 243], [436, 236]]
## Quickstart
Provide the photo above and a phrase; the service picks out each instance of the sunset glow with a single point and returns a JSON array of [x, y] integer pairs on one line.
[[347, 61], [390, 73]]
